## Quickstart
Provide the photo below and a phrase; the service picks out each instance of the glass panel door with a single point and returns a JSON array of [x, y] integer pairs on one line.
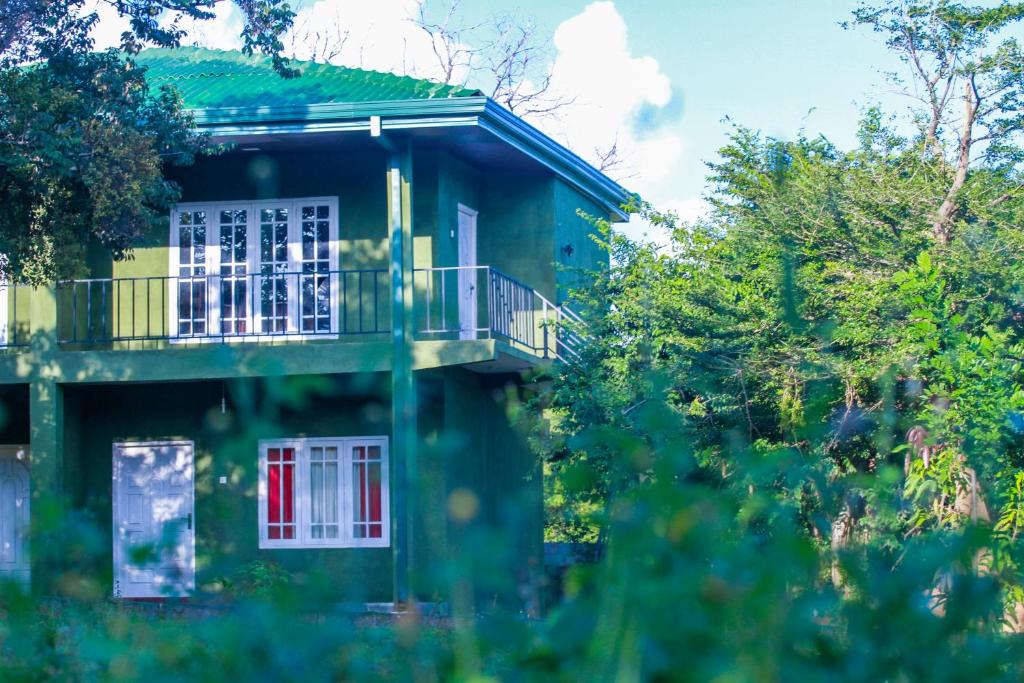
[[234, 289], [315, 304], [192, 303], [273, 269]]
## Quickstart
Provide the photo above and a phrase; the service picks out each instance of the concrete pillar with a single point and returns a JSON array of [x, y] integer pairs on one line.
[[403, 388], [46, 442]]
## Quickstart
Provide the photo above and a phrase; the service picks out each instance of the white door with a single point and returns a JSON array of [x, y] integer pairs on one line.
[[469, 278], [14, 513], [6, 324], [154, 530]]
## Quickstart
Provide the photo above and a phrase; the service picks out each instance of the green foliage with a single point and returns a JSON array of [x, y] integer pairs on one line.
[[84, 143], [813, 316], [258, 580], [701, 581]]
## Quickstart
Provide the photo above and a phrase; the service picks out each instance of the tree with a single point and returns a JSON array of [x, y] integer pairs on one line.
[[812, 319], [83, 141], [969, 82], [506, 52]]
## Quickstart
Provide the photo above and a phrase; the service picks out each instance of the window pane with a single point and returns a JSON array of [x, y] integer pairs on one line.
[[274, 494], [281, 493], [308, 240], [323, 492], [316, 492], [331, 493], [185, 245], [374, 494], [287, 494], [367, 494]]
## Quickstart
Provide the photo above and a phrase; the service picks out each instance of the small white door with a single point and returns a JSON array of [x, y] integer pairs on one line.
[[469, 277], [14, 513], [154, 530], [6, 324]]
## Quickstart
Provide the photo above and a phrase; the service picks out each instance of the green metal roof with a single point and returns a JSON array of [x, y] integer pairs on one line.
[[234, 96], [227, 79]]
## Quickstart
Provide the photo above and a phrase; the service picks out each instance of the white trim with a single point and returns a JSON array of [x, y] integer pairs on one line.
[[300, 482], [252, 207], [118, 559]]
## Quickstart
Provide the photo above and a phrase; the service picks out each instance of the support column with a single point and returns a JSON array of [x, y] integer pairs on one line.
[[46, 443], [403, 387]]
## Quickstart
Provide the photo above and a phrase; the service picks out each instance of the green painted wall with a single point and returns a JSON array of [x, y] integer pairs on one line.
[[226, 445], [498, 547], [467, 444], [575, 251], [516, 226]]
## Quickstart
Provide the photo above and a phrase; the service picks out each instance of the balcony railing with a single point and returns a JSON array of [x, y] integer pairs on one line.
[[472, 301], [204, 308], [450, 303]]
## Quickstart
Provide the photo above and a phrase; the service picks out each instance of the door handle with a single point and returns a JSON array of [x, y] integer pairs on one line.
[[189, 518]]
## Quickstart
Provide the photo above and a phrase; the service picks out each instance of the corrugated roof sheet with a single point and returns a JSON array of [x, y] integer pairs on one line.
[[218, 78]]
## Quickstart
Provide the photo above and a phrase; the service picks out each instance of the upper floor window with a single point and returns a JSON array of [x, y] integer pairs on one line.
[[316, 493], [254, 268]]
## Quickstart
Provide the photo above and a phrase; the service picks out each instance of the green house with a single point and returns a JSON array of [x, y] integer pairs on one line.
[[316, 364]]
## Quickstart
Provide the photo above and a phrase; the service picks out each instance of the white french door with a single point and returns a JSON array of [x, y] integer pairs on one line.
[[251, 269], [154, 519], [468, 276], [14, 513]]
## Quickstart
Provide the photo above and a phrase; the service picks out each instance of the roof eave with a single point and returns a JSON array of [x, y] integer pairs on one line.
[[410, 114]]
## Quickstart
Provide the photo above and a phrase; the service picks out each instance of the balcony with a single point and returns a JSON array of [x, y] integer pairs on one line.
[[453, 303]]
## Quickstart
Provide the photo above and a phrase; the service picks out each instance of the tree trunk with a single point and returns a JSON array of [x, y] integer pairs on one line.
[[842, 531], [942, 222]]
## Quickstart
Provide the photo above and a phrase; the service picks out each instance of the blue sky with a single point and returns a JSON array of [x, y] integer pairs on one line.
[[777, 66], [658, 76]]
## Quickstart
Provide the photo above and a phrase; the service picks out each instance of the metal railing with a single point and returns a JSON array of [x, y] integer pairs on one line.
[[468, 302], [449, 303], [223, 307]]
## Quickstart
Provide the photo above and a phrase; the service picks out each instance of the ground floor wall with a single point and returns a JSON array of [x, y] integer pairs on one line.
[[226, 450], [476, 512]]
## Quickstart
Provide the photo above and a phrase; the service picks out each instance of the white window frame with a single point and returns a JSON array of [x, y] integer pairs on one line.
[[346, 538], [212, 263]]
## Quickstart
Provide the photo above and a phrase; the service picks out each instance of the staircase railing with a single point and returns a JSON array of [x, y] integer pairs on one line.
[[469, 302]]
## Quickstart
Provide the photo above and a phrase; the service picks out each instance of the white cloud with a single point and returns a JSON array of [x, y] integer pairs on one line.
[[223, 31], [608, 86], [107, 31], [381, 36]]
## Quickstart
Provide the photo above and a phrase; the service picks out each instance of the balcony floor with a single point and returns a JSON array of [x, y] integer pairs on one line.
[[225, 361]]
